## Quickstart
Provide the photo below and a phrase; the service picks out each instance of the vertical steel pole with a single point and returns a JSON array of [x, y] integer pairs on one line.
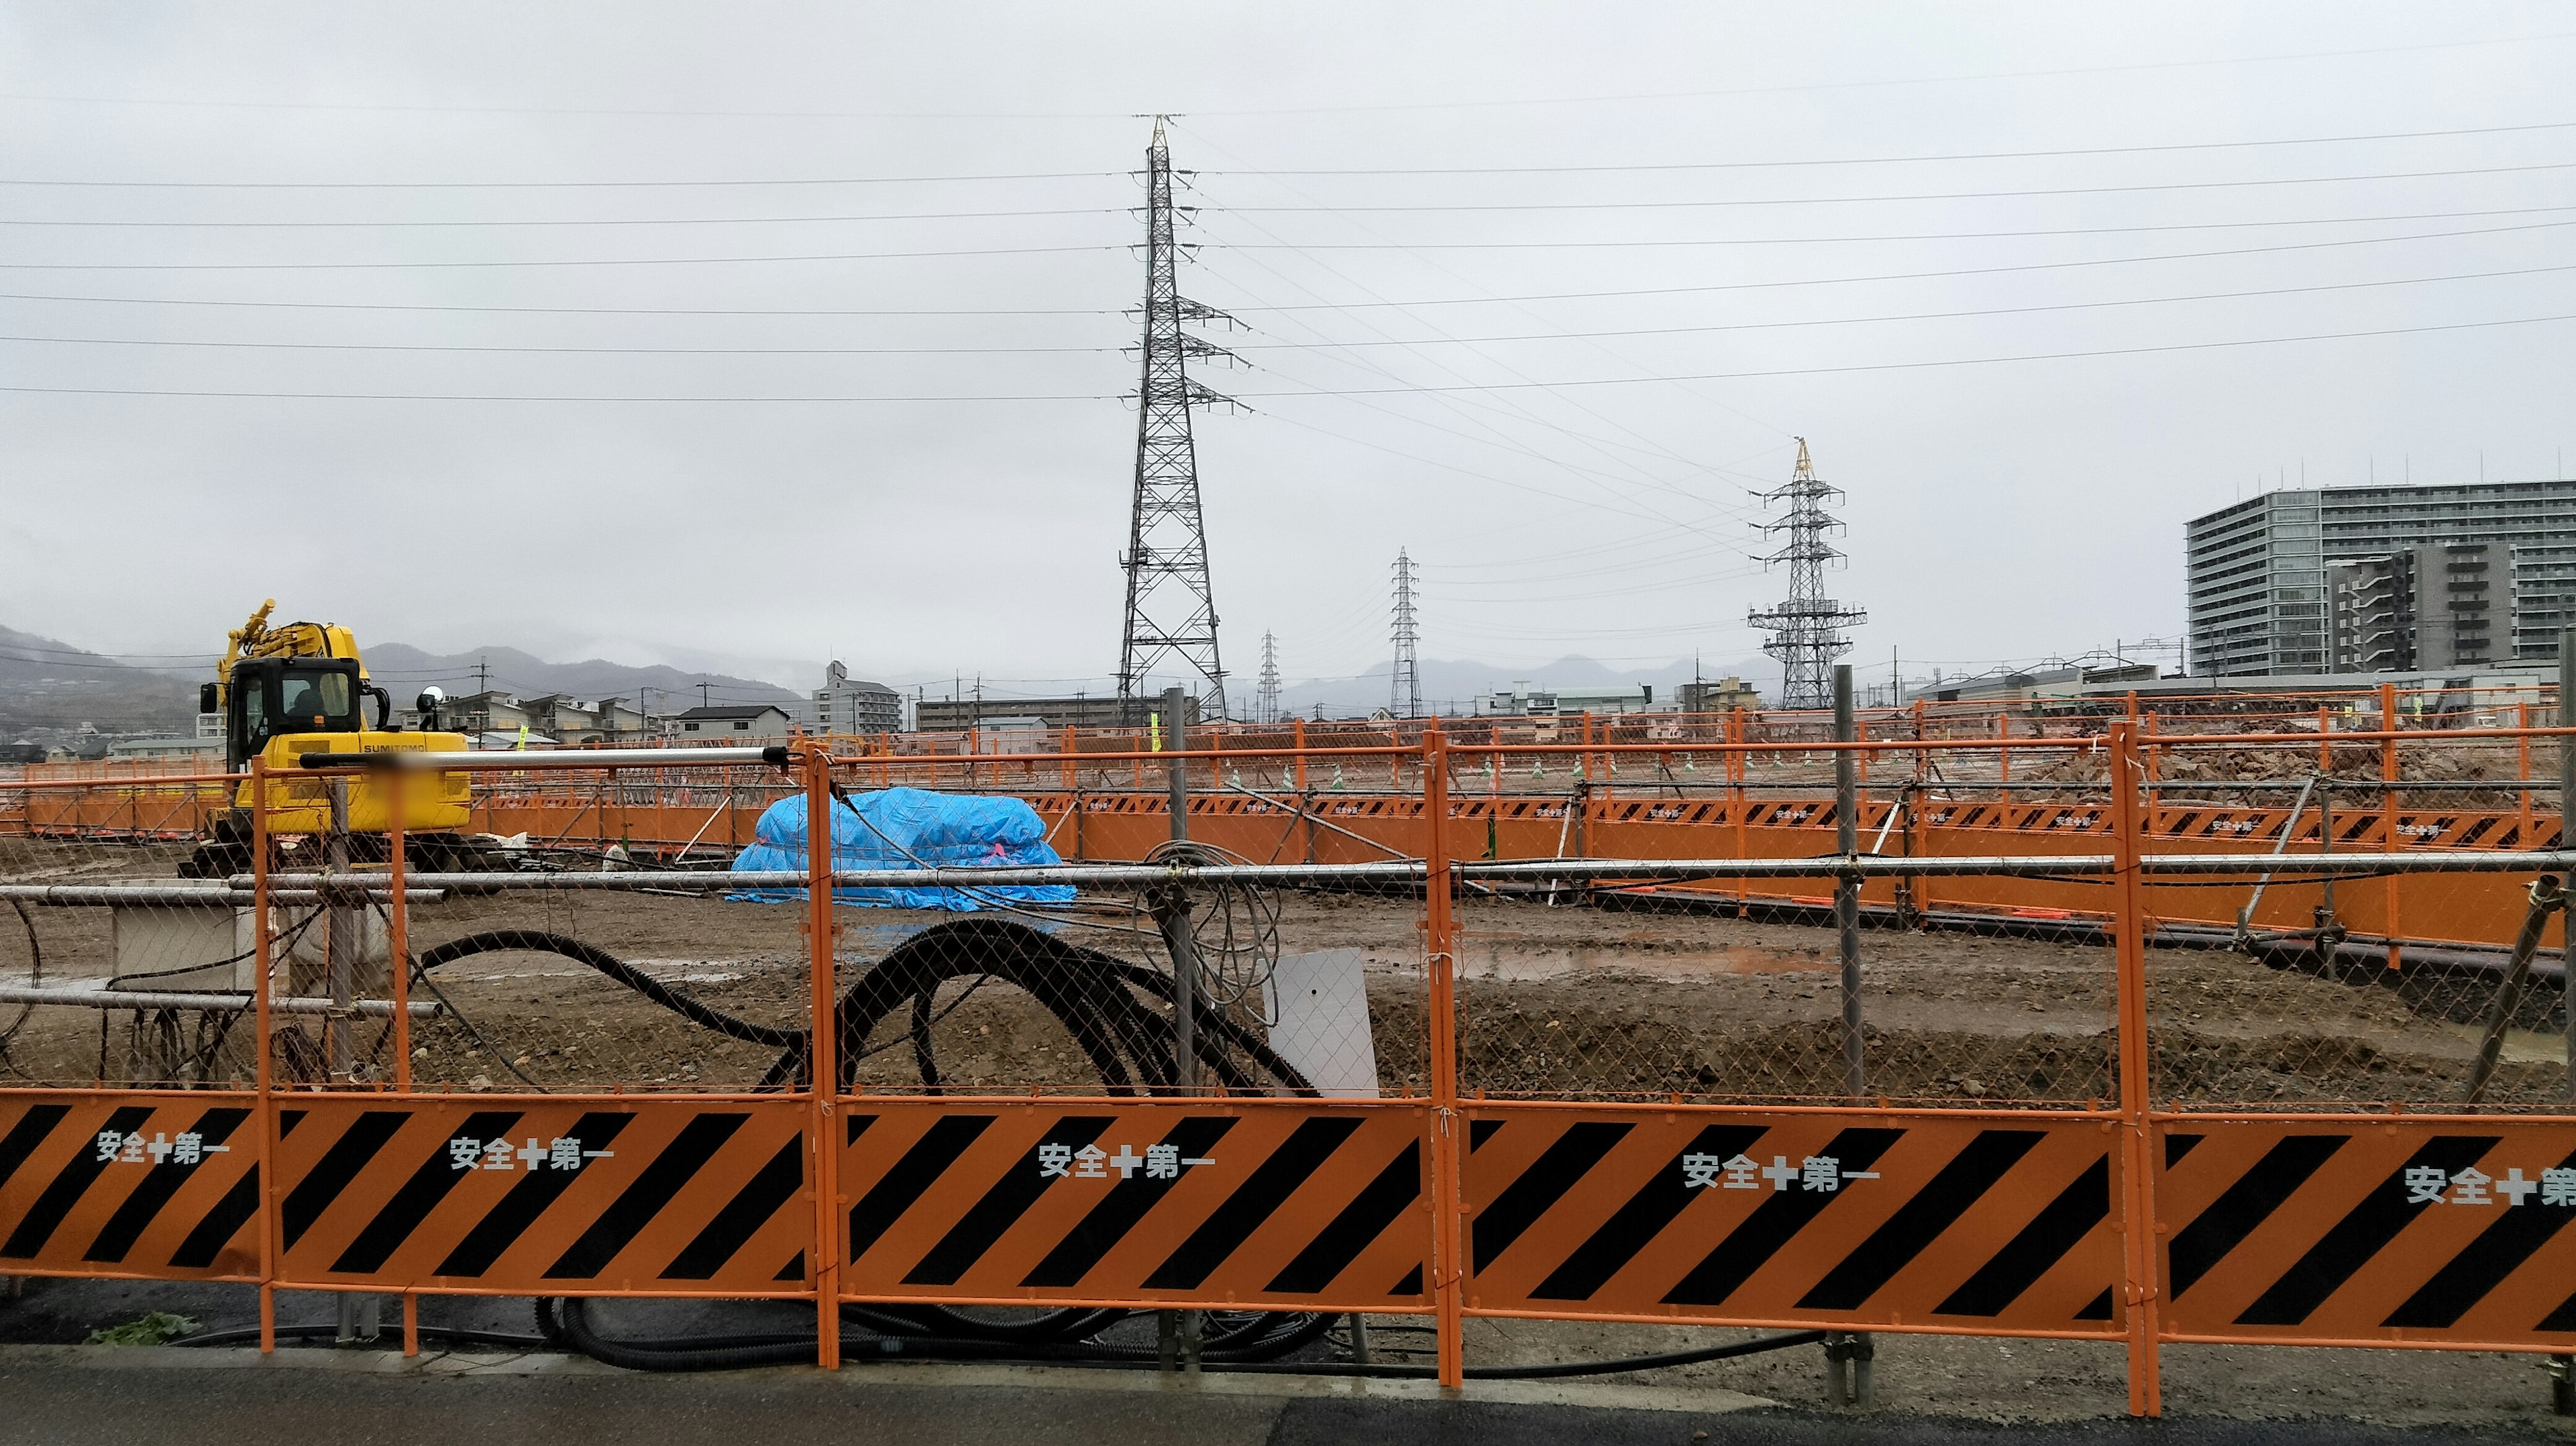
[[2138, 1223], [398, 965], [2388, 811], [1179, 1330], [1176, 920], [1440, 929], [1847, 889], [261, 966], [822, 1062], [1847, 931], [2567, 844]]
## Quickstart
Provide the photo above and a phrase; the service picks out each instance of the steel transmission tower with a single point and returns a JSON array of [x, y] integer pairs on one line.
[[1406, 699], [1265, 705], [1806, 630], [1171, 609]]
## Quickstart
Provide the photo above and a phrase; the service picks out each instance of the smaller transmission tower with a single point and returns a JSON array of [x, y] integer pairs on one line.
[[1406, 688], [1806, 630], [1266, 702]]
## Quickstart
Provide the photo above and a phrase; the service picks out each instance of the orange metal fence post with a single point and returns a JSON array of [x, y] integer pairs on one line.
[[823, 1069], [265, 1107], [1448, 1223], [2522, 749], [2388, 808], [2138, 1217]]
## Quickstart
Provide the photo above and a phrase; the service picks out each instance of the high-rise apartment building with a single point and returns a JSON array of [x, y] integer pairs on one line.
[[2320, 580]]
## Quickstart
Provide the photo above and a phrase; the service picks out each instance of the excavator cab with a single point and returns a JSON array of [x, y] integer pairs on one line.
[[271, 697]]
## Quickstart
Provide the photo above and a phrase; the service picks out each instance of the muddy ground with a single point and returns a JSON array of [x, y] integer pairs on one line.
[[1552, 1000]]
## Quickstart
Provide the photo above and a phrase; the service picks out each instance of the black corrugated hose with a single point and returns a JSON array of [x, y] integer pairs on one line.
[[1096, 997]]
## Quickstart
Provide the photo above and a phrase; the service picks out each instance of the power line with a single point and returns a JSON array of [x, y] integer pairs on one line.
[[408, 225], [1329, 210], [1303, 306], [806, 115], [580, 350], [578, 261], [2161, 147], [1736, 202], [1320, 391], [739, 181], [1929, 275], [562, 310]]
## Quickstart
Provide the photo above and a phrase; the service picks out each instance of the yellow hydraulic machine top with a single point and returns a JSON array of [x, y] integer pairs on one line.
[[287, 690]]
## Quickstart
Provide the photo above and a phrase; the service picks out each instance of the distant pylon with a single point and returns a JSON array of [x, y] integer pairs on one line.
[[1265, 705], [1806, 630], [1171, 608], [1406, 686]]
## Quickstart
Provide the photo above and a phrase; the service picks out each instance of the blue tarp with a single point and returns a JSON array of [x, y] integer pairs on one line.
[[941, 830]]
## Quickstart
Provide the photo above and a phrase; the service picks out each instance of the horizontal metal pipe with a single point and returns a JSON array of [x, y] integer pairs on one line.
[[1411, 870], [177, 999], [95, 896], [506, 762]]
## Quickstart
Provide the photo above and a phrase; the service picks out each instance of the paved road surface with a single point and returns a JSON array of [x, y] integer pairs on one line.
[[69, 1397]]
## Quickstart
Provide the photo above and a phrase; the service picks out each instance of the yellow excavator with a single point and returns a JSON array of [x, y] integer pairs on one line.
[[290, 689]]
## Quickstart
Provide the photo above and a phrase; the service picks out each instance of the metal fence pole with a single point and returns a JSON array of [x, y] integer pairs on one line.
[[265, 1108], [1847, 890], [1440, 928], [2129, 937], [823, 1070], [2567, 841], [394, 785], [1178, 1331], [1853, 1353]]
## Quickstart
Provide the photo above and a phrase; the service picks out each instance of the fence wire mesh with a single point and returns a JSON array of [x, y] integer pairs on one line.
[[2285, 988], [121, 914]]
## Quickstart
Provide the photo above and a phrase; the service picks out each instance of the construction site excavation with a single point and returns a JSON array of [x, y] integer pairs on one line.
[[2051, 1037]]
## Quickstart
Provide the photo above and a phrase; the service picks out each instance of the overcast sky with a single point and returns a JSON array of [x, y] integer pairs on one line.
[[768, 333]]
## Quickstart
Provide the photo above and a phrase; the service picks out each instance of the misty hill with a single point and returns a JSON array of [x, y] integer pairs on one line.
[[1454, 684], [49, 684], [404, 670]]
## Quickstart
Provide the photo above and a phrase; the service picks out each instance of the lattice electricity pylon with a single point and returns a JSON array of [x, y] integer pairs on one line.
[[1806, 630], [1405, 700], [1265, 706], [1171, 608]]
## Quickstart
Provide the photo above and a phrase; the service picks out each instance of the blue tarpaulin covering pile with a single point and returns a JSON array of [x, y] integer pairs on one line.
[[940, 830]]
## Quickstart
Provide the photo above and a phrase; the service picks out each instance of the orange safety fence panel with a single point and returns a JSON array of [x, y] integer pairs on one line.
[[548, 1196], [2420, 1231], [160, 1185], [1981, 1223], [1289, 1205]]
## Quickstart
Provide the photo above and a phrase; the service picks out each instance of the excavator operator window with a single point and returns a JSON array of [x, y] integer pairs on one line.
[[317, 702]]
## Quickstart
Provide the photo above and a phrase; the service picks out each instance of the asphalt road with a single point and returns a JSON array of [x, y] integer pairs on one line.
[[59, 1399]]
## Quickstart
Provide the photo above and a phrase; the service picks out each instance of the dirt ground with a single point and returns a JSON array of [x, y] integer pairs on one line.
[[1552, 1000]]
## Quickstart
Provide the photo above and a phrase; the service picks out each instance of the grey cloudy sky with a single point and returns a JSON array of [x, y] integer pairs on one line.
[[770, 332]]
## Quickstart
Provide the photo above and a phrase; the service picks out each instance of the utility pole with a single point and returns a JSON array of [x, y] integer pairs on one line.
[[1171, 607], [1806, 630], [1405, 687], [482, 676], [1266, 702]]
